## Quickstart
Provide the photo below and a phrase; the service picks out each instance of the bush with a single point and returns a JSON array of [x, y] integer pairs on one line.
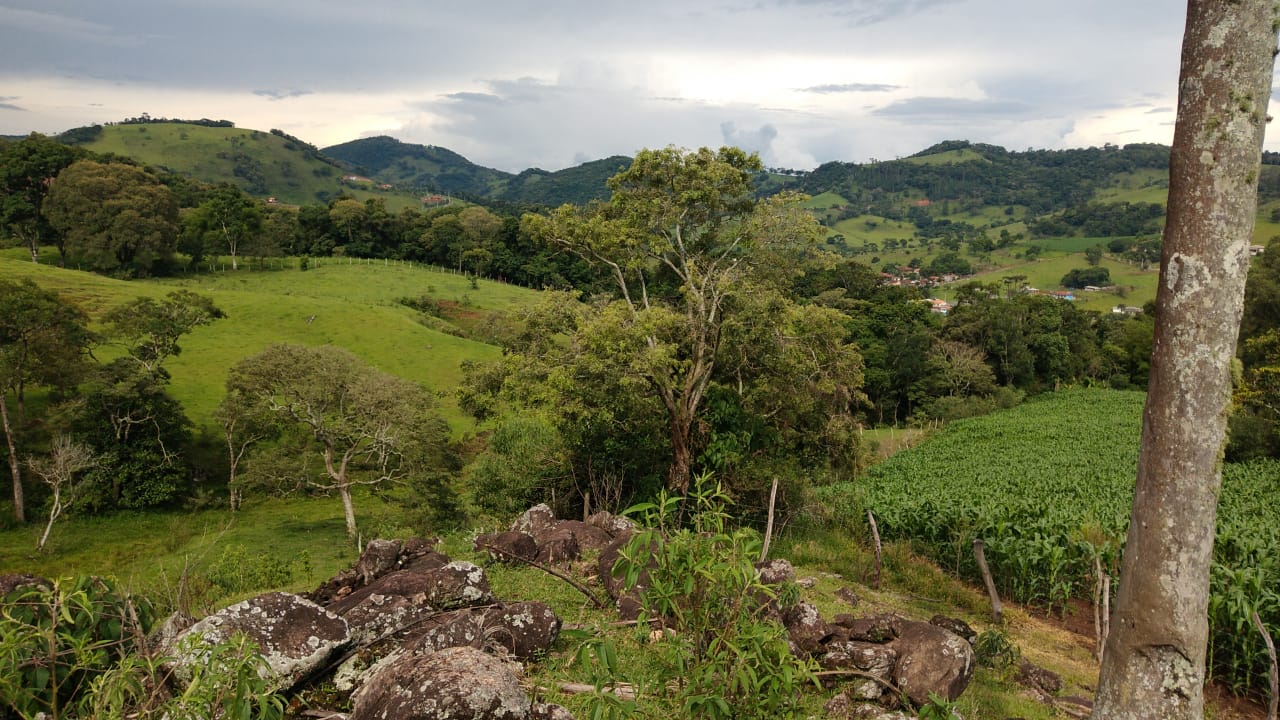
[[727, 657]]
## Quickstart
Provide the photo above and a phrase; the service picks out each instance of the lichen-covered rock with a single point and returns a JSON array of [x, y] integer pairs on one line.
[[955, 625], [455, 683], [805, 627], [164, 637], [1032, 675], [870, 658], [457, 584], [379, 558], [557, 545], [525, 629], [460, 628], [845, 707], [775, 572], [534, 520], [615, 525], [294, 635], [931, 660], [509, 546], [389, 607]]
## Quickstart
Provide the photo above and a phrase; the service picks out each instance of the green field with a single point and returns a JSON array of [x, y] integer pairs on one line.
[[1050, 482], [349, 305], [261, 163], [1140, 186], [1045, 273], [950, 157]]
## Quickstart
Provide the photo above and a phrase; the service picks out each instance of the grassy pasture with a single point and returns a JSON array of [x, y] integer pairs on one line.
[[348, 305], [950, 157]]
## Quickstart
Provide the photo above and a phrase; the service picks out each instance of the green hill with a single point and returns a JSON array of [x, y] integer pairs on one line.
[[435, 169], [343, 302], [264, 164]]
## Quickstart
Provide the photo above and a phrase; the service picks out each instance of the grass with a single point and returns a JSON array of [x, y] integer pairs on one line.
[[862, 229], [1046, 273], [950, 157], [1139, 186], [349, 305]]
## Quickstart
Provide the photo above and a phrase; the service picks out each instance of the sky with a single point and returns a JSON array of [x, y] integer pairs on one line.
[[513, 84]]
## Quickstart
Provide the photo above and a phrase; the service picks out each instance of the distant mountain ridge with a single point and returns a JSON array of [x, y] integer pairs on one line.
[[436, 169]]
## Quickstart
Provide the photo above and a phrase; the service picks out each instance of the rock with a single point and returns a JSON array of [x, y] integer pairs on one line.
[[22, 581], [775, 572], [164, 637], [339, 585], [525, 629], [848, 595], [389, 607], [844, 707], [416, 547], [510, 546], [458, 584], [615, 525], [956, 626], [455, 683], [557, 545], [379, 558], [805, 627], [875, 660], [931, 660], [429, 560], [544, 711], [534, 520], [589, 537], [295, 636], [460, 628], [629, 602], [1032, 675], [876, 629]]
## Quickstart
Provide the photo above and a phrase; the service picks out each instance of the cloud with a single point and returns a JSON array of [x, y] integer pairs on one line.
[[945, 108], [281, 94], [850, 88], [758, 141], [11, 106], [1154, 111]]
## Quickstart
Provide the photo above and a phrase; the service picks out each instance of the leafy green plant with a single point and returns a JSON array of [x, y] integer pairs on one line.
[[239, 571], [231, 681], [937, 709], [54, 641], [725, 657], [993, 649]]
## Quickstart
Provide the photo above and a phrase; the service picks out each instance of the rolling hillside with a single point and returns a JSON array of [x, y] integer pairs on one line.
[[263, 164], [348, 303]]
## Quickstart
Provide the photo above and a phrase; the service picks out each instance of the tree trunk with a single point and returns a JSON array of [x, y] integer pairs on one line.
[[19, 505], [348, 509], [1154, 664], [681, 454]]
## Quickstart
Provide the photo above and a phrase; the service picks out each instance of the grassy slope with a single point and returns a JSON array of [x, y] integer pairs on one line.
[[293, 176], [353, 305]]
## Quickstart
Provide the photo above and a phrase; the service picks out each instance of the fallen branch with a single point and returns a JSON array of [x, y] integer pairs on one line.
[[622, 690], [596, 601], [861, 674]]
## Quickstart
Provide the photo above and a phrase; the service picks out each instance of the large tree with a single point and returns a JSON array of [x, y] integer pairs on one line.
[[115, 217], [43, 341], [369, 427], [27, 170], [227, 220], [681, 236], [1154, 662]]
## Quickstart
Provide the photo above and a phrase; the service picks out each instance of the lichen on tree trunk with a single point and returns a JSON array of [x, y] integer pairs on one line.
[[1154, 662]]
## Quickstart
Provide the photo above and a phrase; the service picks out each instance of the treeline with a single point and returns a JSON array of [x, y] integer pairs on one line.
[[1040, 180], [112, 216]]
